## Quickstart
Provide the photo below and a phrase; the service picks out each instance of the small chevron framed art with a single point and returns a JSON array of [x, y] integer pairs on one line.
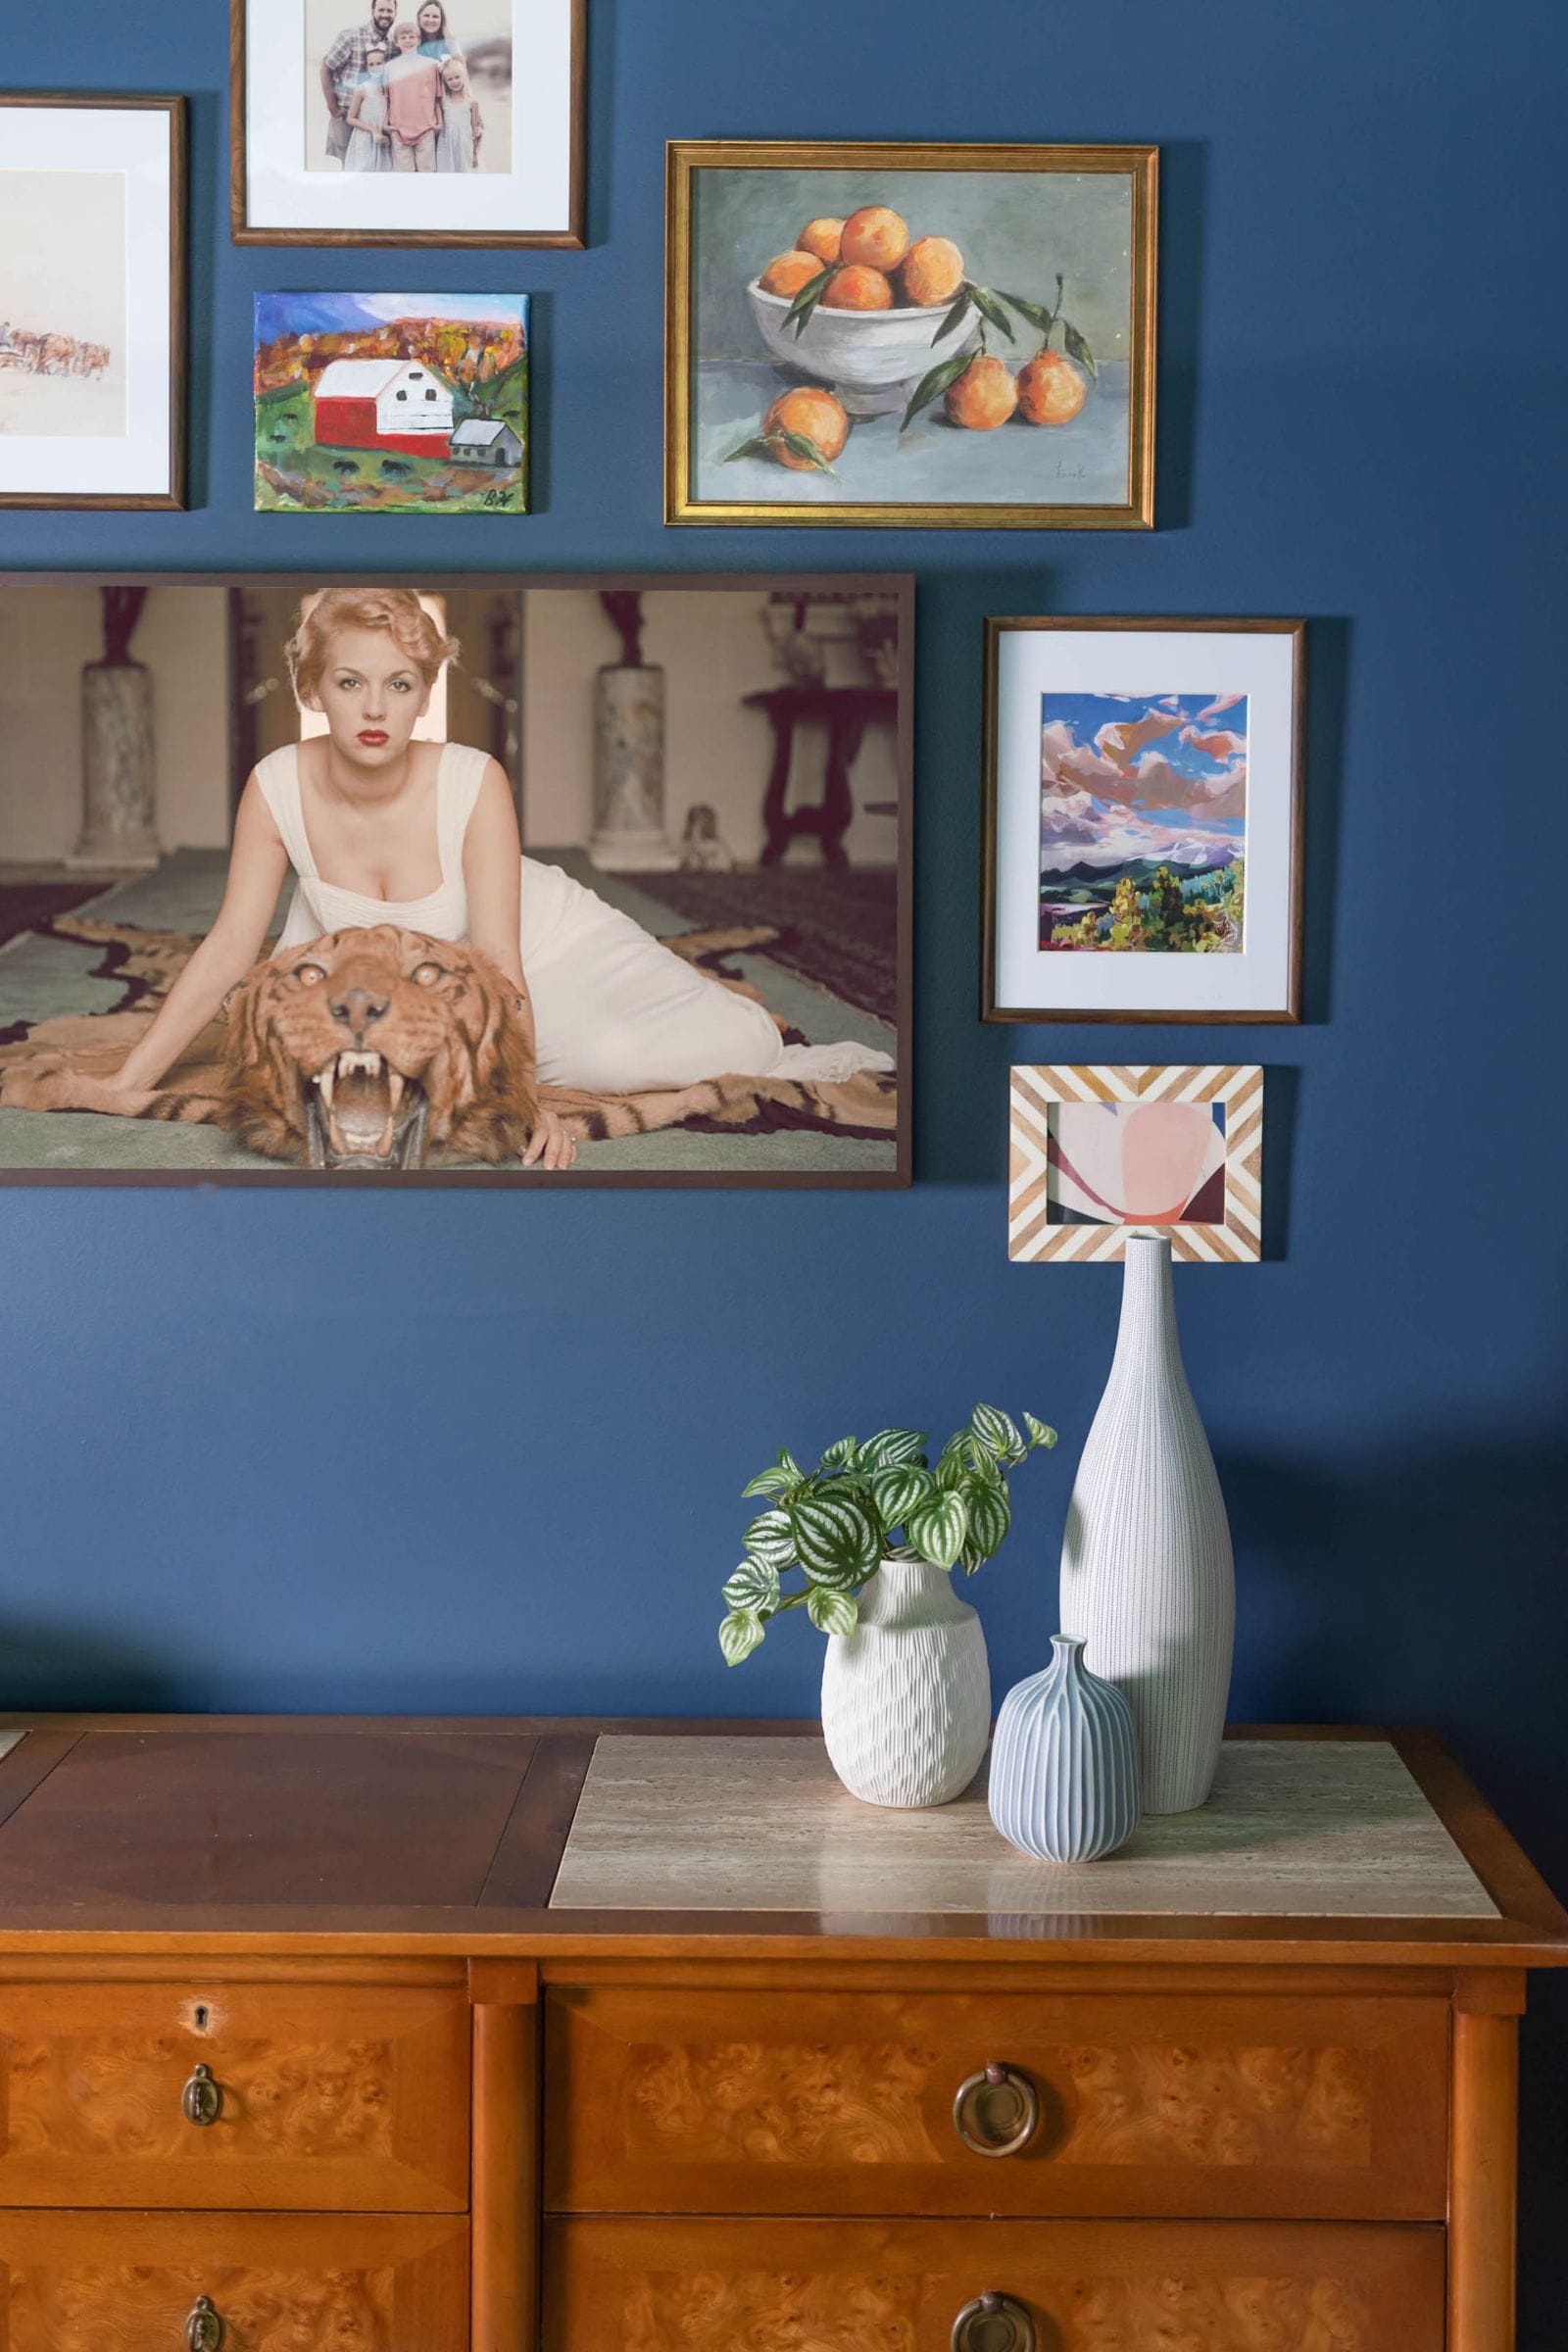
[[1097, 1152]]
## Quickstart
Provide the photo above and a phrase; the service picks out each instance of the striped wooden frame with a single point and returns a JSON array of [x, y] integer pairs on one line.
[[1037, 1090]]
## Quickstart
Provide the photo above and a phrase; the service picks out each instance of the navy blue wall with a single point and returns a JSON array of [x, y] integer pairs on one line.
[[437, 1451]]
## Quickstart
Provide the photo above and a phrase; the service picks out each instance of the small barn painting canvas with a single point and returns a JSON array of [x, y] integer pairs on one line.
[[393, 404]]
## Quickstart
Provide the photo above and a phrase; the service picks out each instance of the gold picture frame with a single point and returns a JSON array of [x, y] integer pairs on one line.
[[1043, 1226], [1105, 442]]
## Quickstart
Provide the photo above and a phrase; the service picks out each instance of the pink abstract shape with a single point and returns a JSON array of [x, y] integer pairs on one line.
[[1165, 1147]]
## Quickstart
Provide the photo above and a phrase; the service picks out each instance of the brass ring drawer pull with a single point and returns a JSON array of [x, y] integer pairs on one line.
[[204, 2329], [993, 2323], [997, 2111], [202, 2100]]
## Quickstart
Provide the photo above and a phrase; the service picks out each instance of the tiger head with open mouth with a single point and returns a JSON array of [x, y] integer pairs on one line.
[[376, 1048]]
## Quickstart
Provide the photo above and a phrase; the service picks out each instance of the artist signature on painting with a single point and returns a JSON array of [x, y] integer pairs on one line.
[[1070, 473]]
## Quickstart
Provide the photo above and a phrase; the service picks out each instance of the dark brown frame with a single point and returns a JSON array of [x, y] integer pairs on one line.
[[899, 585], [175, 495], [990, 1009], [573, 238]]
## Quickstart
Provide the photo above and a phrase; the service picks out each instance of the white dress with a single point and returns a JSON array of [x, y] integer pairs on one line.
[[365, 152], [613, 1010]]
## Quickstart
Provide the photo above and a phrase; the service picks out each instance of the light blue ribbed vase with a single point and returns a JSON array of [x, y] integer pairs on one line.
[[1064, 1762]]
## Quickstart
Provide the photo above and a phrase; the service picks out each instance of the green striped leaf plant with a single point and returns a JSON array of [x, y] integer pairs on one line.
[[865, 1502]]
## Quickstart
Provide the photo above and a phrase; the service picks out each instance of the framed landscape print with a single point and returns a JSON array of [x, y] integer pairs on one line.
[[575, 880], [408, 121], [392, 403], [1094, 1154], [92, 301], [956, 335], [1142, 850]]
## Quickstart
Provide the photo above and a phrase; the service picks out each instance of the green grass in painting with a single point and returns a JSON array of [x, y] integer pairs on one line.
[[294, 476]]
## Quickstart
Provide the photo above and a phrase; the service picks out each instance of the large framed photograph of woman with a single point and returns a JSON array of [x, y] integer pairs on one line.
[[92, 301], [408, 121], [387, 881]]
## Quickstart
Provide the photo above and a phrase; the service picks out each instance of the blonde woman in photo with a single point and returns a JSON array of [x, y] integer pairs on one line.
[[456, 148], [379, 828]]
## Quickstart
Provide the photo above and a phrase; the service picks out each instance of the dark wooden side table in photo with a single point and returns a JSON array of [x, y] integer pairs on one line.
[[844, 712]]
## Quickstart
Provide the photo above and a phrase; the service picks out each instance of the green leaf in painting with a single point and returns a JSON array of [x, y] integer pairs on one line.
[[757, 445], [932, 385], [772, 1540], [954, 317], [755, 1586], [1077, 348], [939, 1526], [739, 1635], [832, 1612], [1035, 311], [991, 310], [810, 295], [801, 445]]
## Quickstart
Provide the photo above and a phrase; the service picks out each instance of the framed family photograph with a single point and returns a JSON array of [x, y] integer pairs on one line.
[[925, 335], [1095, 1154], [1143, 821], [388, 881], [410, 123], [392, 403], [92, 301]]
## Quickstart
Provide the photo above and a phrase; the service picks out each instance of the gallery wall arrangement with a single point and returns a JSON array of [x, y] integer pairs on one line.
[[909, 627]]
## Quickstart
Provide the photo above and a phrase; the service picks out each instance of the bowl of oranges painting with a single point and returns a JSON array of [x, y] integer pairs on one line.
[[880, 320]]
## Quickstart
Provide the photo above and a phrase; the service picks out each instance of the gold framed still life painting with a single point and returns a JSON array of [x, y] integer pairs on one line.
[[928, 335]]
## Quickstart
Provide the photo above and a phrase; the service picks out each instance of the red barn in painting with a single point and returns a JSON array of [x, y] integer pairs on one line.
[[383, 404]]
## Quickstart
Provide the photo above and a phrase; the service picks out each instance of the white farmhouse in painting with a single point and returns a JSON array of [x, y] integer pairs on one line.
[[486, 441], [383, 404]]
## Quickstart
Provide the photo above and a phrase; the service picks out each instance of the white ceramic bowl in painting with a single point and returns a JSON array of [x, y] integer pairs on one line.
[[872, 360]]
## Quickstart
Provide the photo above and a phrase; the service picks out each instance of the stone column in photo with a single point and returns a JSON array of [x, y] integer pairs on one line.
[[118, 768], [629, 835]]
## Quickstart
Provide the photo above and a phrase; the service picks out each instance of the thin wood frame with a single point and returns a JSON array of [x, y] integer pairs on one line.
[[1039, 1090], [991, 1008], [684, 157], [898, 585], [572, 238], [179, 373]]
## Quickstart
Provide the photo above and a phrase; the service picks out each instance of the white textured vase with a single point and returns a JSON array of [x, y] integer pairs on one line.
[[906, 1696], [1147, 1573]]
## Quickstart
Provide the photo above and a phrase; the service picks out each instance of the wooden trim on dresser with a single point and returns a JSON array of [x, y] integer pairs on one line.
[[504, 2195]]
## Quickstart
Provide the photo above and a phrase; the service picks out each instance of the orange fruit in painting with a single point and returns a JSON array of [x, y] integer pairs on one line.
[[932, 271], [790, 272], [814, 412], [823, 238], [874, 236], [1051, 389], [984, 396], [857, 289]]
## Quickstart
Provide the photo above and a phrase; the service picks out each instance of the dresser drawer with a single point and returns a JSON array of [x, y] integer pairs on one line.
[[828, 2103], [1107, 2287], [134, 2282], [342, 2097]]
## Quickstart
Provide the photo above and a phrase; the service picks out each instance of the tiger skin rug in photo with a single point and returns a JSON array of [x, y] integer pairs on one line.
[[456, 1091]]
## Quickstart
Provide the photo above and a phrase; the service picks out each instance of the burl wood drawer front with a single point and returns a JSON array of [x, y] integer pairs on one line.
[[323, 2096], [827, 2103], [1107, 2286], [160, 2282]]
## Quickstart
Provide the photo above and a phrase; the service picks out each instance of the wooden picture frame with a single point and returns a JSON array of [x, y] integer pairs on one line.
[[255, 219], [870, 467], [143, 466], [819, 995], [1091, 799], [1060, 1203]]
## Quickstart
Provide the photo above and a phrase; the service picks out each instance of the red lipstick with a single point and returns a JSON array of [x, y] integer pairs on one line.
[[372, 737]]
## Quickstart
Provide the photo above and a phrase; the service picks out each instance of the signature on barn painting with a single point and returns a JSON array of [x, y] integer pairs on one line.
[[392, 403]]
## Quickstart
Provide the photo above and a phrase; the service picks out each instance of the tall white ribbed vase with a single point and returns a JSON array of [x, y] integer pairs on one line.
[[1146, 1573], [906, 1696]]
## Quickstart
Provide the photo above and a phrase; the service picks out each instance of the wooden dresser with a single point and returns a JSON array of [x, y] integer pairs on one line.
[[353, 2035]]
